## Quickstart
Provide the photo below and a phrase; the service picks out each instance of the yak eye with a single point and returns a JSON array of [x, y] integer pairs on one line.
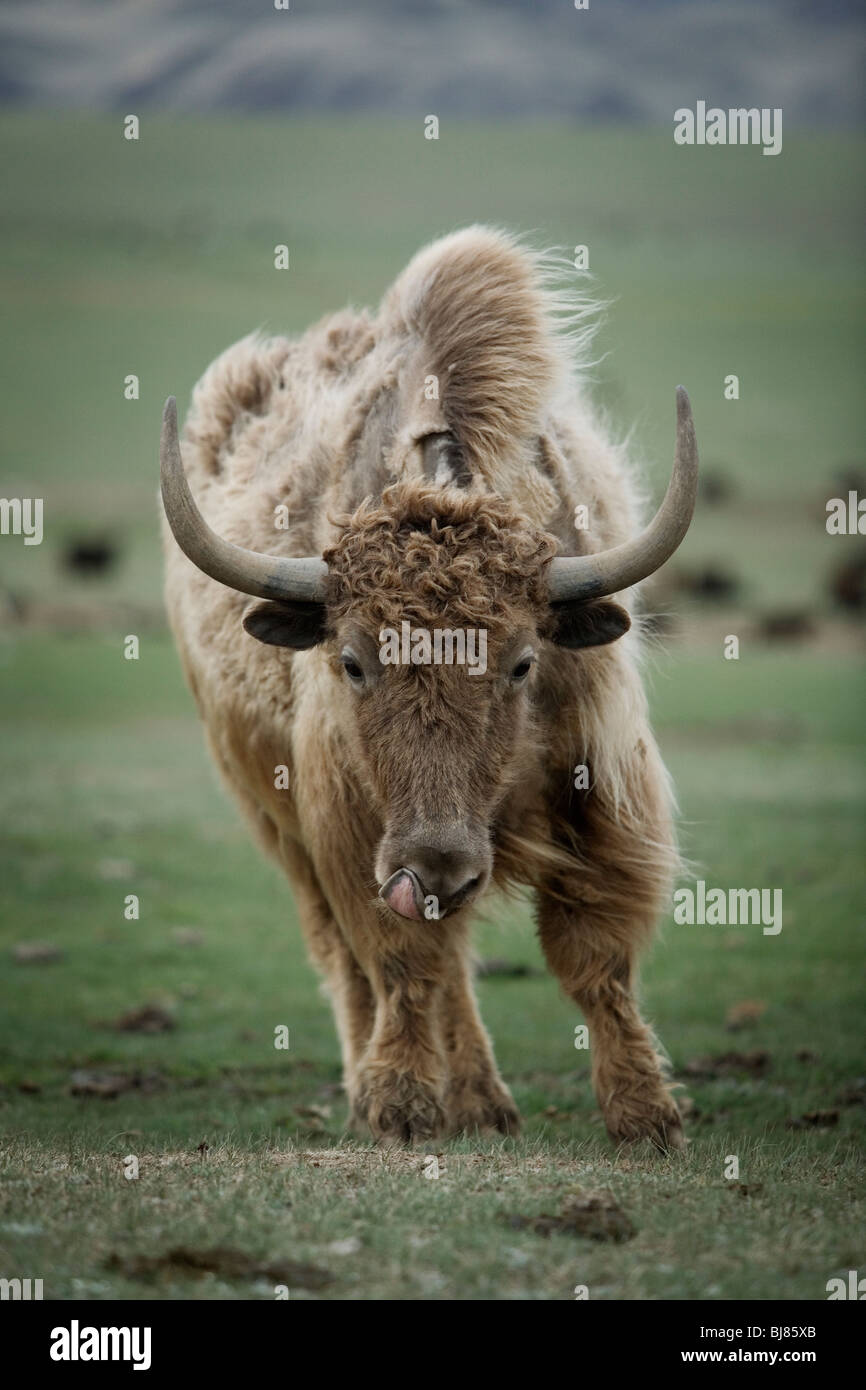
[[522, 669], [351, 667]]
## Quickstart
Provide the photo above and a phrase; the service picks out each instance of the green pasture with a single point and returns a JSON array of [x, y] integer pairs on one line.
[[152, 257]]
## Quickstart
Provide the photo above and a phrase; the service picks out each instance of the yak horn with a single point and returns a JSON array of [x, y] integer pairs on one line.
[[266, 576], [593, 576]]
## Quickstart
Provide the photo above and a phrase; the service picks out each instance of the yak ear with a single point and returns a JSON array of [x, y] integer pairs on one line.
[[583, 624], [286, 623]]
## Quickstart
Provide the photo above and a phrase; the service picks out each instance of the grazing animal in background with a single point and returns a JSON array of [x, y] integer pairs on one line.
[[420, 470]]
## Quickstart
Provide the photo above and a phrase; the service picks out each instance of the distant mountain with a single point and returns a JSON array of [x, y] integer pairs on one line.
[[620, 59]]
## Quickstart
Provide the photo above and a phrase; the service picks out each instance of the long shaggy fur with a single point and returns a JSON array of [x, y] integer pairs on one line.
[[332, 426], [422, 551]]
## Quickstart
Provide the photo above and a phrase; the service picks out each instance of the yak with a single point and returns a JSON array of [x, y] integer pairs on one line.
[[437, 464]]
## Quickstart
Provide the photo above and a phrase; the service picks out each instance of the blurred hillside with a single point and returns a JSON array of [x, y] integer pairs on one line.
[[624, 60]]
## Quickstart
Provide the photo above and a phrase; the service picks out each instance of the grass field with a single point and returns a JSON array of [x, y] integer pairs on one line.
[[150, 259]]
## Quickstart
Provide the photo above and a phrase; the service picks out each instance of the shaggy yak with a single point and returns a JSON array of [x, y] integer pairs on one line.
[[421, 472]]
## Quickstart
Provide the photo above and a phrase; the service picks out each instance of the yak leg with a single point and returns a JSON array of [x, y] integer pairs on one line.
[[396, 1084], [345, 982], [429, 1068], [386, 1010], [627, 1072], [476, 1097], [401, 1077], [592, 925]]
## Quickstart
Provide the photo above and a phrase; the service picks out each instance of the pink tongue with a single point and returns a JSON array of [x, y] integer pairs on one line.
[[401, 897]]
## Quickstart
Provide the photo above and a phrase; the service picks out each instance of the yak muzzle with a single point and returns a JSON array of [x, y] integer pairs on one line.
[[440, 892]]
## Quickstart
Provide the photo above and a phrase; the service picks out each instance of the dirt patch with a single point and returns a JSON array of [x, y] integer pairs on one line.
[[756, 1063]]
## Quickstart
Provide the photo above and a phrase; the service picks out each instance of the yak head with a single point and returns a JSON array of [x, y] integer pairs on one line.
[[436, 610], [432, 609]]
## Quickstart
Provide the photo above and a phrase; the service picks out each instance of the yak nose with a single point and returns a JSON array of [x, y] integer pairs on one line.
[[433, 881]]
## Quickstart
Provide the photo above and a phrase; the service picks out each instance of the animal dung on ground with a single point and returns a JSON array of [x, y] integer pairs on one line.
[[715, 487], [786, 625], [594, 1215], [149, 1018], [90, 557], [850, 477], [742, 1014], [106, 1085], [814, 1119], [848, 583], [855, 1093], [183, 1261], [712, 583], [503, 969], [729, 1063]]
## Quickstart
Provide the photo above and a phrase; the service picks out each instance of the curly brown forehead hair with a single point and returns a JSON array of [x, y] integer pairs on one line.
[[424, 554]]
